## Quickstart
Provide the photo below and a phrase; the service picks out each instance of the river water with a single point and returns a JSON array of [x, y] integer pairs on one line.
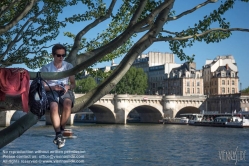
[[131, 144]]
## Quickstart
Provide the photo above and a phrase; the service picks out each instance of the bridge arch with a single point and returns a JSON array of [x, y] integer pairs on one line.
[[147, 113], [5, 117], [188, 109], [103, 114]]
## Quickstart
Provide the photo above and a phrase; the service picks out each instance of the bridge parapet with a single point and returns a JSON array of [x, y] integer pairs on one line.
[[138, 97], [106, 98], [177, 97]]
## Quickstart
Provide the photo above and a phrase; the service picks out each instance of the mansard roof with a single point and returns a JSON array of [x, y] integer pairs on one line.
[[184, 67]]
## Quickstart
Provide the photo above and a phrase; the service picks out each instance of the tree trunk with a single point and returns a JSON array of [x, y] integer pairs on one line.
[[16, 129]]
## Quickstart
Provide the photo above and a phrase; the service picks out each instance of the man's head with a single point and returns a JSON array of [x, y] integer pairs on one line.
[[59, 51]]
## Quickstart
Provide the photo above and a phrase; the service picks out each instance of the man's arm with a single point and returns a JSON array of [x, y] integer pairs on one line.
[[72, 82]]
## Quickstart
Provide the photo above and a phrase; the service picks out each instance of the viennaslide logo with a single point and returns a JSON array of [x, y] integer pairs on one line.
[[235, 155]]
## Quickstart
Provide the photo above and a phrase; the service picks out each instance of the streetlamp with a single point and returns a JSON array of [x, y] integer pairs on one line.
[[220, 103], [207, 103]]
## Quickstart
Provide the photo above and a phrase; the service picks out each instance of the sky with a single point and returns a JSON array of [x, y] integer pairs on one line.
[[236, 45]]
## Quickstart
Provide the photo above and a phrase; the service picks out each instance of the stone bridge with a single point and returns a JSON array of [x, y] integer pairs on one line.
[[151, 108]]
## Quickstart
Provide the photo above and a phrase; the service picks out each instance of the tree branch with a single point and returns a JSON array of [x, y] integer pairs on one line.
[[5, 9], [73, 53], [16, 129], [17, 18], [87, 59], [138, 12], [169, 32], [17, 38], [201, 34], [191, 10]]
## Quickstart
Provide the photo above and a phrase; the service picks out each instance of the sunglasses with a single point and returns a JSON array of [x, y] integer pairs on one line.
[[60, 55]]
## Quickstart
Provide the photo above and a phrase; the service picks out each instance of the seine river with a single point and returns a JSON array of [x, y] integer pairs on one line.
[[131, 144]]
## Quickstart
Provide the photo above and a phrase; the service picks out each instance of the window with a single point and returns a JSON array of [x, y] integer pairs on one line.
[[233, 90], [223, 90], [223, 82], [193, 90], [198, 90], [188, 91], [198, 83], [193, 84], [232, 74], [228, 90], [187, 83], [232, 82], [227, 82]]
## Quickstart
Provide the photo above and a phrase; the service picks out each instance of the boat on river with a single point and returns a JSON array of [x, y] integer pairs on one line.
[[215, 119], [224, 121], [180, 121], [221, 121]]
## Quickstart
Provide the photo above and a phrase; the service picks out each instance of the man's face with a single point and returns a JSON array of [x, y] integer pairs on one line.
[[59, 55]]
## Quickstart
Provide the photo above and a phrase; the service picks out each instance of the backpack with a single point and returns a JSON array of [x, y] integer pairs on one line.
[[38, 101]]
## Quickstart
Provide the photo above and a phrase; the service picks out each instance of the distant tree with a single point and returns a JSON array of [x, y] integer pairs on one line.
[[245, 90], [133, 82], [85, 85]]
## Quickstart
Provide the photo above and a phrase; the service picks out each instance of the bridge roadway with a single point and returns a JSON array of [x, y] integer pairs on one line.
[[115, 108]]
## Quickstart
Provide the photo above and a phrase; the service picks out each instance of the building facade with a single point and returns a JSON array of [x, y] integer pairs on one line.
[[217, 77], [157, 66], [184, 80], [220, 76]]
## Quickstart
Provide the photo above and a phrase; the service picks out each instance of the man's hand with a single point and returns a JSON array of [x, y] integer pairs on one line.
[[58, 88]]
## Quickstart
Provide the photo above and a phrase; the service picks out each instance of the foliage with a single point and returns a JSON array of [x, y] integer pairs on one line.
[[135, 81], [29, 25], [85, 85], [246, 90], [26, 41]]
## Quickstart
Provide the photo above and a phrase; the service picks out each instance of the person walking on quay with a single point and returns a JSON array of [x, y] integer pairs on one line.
[[62, 94]]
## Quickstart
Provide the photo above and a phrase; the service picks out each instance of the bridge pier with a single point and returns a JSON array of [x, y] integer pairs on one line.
[[5, 117], [120, 106], [169, 106], [121, 116]]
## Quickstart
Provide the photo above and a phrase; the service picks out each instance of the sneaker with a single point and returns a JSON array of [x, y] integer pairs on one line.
[[59, 141], [55, 139]]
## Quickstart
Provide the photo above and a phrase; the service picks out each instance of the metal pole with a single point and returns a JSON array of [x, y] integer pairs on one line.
[[206, 104], [220, 104]]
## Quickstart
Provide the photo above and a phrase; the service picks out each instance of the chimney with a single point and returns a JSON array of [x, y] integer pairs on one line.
[[227, 66]]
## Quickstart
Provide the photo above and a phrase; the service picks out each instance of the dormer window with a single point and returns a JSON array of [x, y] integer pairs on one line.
[[223, 74]]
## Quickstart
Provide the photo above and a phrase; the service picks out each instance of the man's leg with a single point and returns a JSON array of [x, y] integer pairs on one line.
[[55, 117], [66, 112]]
